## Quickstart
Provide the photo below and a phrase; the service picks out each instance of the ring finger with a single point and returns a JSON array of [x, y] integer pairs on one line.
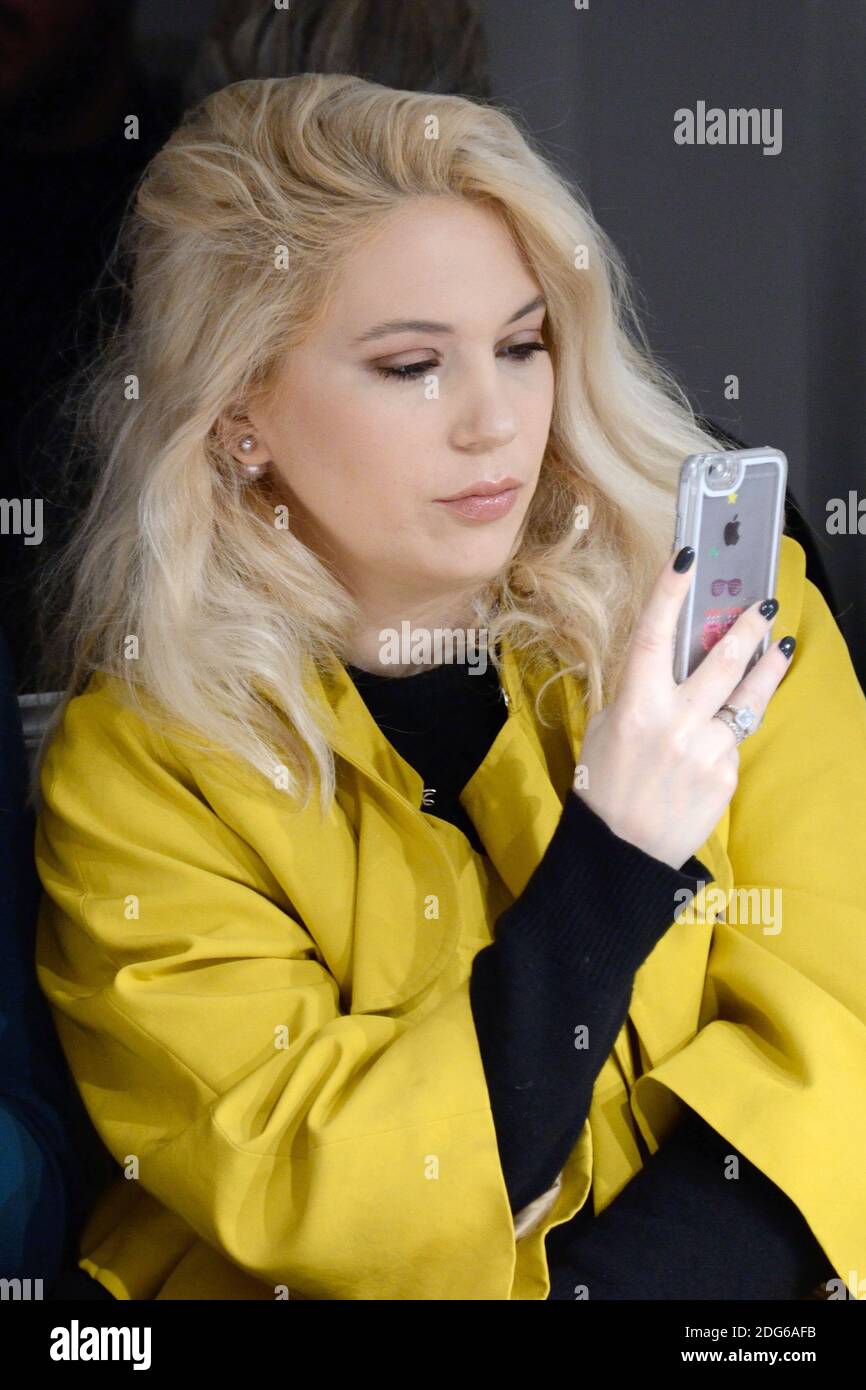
[[754, 692]]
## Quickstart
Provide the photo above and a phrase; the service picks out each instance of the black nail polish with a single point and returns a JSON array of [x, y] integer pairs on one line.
[[684, 559], [769, 608], [787, 645]]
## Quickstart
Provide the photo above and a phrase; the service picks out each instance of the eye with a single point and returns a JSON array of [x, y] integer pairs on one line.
[[523, 352], [518, 352], [407, 373]]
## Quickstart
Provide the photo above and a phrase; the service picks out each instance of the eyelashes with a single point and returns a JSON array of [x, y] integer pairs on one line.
[[519, 352]]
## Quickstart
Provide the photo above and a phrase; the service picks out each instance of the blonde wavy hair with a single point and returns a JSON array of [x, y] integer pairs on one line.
[[176, 550]]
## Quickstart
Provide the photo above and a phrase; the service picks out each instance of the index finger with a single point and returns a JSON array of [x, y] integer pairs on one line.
[[650, 652]]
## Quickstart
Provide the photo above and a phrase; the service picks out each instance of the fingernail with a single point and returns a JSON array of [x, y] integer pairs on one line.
[[769, 608], [787, 645], [684, 559]]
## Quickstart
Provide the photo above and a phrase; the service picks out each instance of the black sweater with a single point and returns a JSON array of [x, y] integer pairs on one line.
[[680, 1229]]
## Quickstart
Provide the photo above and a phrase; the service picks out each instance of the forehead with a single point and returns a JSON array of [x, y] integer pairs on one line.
[[436, 258]]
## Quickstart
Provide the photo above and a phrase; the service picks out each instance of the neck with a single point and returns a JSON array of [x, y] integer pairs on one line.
[[390, 642]]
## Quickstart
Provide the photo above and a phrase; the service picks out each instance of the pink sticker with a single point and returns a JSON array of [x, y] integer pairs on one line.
[[716, 623]]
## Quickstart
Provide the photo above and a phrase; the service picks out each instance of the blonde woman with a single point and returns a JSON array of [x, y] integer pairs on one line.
[[367, 960]]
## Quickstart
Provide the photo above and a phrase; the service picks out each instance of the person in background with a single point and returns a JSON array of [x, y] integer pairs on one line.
[[52, 1163], [419, 48]]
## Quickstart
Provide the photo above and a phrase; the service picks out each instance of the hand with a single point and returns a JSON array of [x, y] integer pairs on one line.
[[660, 768]]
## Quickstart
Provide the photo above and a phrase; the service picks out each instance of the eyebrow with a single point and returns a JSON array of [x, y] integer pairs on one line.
[[382, 330]]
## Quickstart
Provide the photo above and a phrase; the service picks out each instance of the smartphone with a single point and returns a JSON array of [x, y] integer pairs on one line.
[[731, 510]]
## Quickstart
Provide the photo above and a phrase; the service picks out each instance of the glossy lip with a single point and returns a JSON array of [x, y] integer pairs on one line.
[[482, 507], [483, 489]]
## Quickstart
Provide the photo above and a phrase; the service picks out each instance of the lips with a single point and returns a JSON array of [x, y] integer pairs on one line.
[[482, 506], [483, 489]]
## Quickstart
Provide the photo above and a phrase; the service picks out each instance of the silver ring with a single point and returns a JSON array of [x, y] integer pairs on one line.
[[742, 720]]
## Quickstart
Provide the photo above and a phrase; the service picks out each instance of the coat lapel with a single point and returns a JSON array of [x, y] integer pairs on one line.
[[510, 799], [510, 796], [406, 901]]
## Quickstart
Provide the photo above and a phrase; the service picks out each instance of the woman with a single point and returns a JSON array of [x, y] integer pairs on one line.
[[358, 1026]]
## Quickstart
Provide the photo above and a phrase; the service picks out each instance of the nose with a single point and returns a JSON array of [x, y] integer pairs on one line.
[[484, 417]]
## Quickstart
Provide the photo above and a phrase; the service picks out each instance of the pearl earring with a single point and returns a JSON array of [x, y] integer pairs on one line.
[[251, 470]]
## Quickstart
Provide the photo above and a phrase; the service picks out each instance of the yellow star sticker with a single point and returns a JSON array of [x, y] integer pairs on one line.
[[732, 497]]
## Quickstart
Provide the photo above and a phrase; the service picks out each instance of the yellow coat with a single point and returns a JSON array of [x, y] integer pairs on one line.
[[269, 1020]]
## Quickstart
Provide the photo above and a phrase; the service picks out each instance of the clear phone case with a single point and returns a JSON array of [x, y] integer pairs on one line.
[[730, 509]]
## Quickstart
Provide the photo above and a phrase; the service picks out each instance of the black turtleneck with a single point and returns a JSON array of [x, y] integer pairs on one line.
[[442, 722], [566, 952]]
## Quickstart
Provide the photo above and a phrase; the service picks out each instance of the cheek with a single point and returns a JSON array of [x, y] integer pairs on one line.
[[378, 436], [345, 453]]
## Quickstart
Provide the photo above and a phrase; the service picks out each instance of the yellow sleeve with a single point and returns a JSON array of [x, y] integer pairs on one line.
[[344, 1155], [779, 1067]]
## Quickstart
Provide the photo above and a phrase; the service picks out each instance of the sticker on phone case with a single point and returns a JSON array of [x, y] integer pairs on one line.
[[716, 623]]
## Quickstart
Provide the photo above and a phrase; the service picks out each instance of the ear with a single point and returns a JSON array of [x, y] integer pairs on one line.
[[237, 435]]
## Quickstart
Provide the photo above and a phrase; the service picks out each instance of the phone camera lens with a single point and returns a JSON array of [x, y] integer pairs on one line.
[[720, 470]]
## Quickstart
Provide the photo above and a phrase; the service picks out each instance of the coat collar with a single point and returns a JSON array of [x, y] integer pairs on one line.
[[514, 766]]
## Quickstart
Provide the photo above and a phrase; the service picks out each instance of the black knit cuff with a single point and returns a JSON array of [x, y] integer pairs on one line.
[[597, 901]]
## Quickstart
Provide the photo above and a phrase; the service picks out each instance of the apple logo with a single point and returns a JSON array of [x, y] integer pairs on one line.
[[732, 531]]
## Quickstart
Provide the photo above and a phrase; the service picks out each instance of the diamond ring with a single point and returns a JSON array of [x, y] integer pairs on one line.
[[743, 720]]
